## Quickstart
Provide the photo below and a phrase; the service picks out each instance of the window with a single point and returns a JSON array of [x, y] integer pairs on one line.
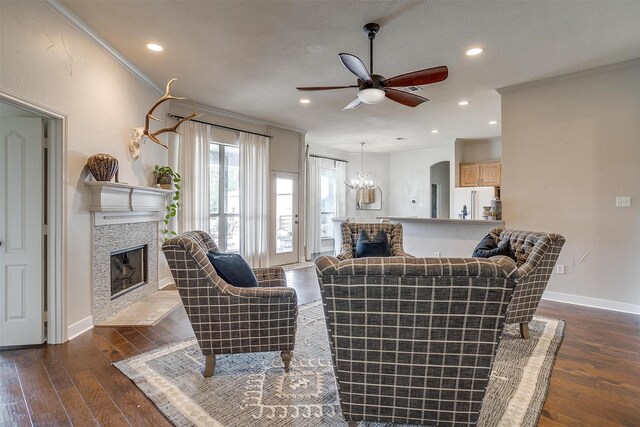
[[224, 196], [327, 201]]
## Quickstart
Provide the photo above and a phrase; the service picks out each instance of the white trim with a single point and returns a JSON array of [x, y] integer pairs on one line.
[[591, 71], [57, 214], [80, 327], [162, 283], [66, 14], [603, 304]]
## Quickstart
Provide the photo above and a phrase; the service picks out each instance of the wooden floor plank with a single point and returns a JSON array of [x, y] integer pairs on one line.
[[13, 407], [45, 406]]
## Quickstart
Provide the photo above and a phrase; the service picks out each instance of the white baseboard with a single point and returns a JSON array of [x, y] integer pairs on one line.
[[165, 282], [79, 327], [592, 302]]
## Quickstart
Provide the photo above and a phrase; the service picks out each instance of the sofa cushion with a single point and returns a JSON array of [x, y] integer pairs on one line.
[[376, 247], [488, 247], [233, 269]]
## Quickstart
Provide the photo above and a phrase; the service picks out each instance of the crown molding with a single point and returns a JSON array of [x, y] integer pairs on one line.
[[66, 14], [591, 71]]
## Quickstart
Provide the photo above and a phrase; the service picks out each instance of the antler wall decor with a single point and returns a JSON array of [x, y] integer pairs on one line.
[[140, 133]]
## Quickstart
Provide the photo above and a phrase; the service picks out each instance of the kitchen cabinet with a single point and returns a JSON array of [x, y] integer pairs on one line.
[[480, 174]]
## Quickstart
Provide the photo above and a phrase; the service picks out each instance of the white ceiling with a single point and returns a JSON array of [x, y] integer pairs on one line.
[[248, 57]]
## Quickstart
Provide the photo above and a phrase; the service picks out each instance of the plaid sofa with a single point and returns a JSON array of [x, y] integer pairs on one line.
[[350, 231], [227, 319], [413, 339], [536, 254]]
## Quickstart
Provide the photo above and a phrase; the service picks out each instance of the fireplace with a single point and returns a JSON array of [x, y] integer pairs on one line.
[[128, 270]]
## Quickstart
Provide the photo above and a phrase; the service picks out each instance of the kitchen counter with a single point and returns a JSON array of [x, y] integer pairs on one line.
[[403, 219], [444, 237]]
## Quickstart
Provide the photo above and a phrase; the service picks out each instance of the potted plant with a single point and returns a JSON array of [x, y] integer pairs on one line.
[[166, 178]]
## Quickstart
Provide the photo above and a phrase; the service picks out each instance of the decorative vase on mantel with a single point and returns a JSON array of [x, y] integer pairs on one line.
[[103, 167]]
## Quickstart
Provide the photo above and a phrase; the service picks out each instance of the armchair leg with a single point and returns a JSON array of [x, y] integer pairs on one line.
[[524, 330], [286, 359], [352, 424], [210, 365]]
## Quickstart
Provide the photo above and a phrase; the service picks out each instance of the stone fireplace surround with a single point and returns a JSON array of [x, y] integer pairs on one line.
[[124, 216]]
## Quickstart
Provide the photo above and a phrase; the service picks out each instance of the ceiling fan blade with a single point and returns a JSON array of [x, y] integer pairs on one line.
[[404, 98], [312, 88], [353, 104], [356, 66], [417, 78]]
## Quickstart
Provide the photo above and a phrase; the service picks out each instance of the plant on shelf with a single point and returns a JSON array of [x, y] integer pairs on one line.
[[166, 178]]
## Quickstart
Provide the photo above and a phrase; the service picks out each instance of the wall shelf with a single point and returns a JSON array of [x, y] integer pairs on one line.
[[118, 197]]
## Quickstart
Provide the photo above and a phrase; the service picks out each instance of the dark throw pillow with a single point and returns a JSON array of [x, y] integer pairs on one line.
[[233, 269], [379, 246], [488, 248]]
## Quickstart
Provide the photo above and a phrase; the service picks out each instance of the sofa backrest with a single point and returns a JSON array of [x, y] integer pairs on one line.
[[414, 349], [351, 231]]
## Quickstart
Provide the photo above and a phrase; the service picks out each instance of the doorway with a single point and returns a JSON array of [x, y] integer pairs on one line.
[[285, 221], [440, 189], [31, 203]]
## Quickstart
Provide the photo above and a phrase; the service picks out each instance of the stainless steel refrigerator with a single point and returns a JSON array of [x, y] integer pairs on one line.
[[474, 198]]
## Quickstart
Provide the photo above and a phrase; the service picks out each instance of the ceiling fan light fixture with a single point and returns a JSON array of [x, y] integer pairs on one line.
[[371, 95], [155, 47]]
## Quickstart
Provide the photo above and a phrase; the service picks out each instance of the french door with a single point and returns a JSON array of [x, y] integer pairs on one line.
[[284, 234]]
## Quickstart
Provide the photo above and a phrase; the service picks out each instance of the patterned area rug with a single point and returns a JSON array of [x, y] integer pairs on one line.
[[253, 390]]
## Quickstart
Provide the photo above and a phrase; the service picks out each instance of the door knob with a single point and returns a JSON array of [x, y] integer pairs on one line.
[[296, 222]]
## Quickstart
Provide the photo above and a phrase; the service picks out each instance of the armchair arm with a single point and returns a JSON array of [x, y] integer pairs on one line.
[[401, 252], [327, 265], [346, 252], [270, 277]]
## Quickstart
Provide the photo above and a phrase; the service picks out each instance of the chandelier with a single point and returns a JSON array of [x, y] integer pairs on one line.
[[363, 182]]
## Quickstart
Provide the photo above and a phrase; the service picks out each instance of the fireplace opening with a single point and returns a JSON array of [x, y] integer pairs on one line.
[[128, 270]]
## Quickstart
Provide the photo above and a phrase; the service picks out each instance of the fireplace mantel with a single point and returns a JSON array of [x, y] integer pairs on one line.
[[118, 197]]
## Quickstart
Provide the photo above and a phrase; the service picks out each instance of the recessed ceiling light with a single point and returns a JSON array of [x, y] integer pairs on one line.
[[463, 103], [493, 122], [435, 131], [304, 101], [474, 51], [154, 47]]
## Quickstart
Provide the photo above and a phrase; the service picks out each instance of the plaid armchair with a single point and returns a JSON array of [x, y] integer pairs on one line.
[[413, 339], [351, 231], [536, 255], [227, 319]]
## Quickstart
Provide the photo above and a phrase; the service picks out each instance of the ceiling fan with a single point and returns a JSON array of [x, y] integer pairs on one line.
[[373, 88]]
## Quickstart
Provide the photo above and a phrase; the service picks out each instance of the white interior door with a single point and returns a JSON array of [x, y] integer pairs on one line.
[[284, 218], [21, 225]]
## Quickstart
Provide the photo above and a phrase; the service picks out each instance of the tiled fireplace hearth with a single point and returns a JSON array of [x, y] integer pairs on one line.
[[125, 245]]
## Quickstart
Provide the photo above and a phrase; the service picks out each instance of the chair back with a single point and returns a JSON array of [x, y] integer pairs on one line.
[[414, 349], [351, 232]]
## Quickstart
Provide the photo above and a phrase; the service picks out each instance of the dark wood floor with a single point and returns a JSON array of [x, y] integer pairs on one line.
[[595, 381]]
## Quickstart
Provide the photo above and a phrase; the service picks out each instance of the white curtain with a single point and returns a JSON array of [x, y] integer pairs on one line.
[[193, 167], [314, 241], [254, 199], [341, 190]]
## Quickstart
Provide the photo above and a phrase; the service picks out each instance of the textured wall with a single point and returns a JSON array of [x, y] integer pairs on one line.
[[569, 147]]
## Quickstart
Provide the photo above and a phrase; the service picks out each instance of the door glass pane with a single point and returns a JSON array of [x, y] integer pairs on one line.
[[284, 215], [214, 180], [233, 234], [232, 180], [327, 201], [213, 230]]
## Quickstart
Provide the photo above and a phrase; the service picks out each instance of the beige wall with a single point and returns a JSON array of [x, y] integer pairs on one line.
[[47, 61], [570, 145]]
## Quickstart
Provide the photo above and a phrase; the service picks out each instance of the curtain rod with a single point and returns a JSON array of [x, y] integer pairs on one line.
[[173, 116], [328, 158]]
